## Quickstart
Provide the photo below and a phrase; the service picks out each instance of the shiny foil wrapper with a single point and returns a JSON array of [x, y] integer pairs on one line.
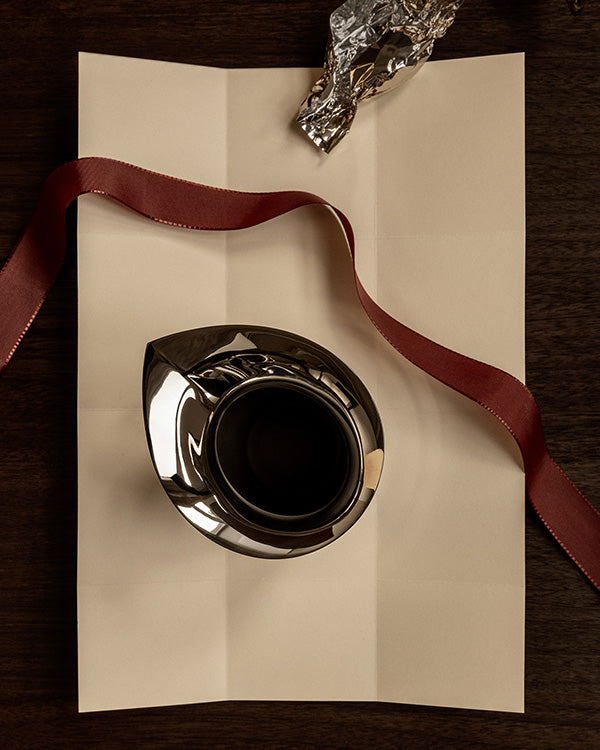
[[575, 5], [370, 43]]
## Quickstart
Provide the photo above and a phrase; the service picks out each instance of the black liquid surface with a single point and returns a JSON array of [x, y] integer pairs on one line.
[[285, 451]]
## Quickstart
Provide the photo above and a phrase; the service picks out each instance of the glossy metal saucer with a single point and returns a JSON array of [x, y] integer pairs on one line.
[[266, 442]]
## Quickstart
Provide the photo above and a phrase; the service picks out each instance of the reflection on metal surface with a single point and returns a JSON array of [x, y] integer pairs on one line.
[[373, 46], [373, 466], [266, 442]]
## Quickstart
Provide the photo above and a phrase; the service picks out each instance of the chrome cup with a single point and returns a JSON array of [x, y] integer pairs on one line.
[[265, 441]]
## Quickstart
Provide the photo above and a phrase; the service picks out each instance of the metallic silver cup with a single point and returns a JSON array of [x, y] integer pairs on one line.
[[266, 442]]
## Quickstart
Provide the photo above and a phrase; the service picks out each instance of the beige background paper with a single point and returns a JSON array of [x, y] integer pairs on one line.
[[422, 601]]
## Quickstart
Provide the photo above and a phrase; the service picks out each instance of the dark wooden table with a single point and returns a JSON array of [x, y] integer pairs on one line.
[[38, 91]]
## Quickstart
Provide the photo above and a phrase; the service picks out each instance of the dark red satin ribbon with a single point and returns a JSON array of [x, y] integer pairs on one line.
[[31, 270]]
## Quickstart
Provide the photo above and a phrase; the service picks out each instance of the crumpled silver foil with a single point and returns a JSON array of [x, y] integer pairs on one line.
[[370, 43]]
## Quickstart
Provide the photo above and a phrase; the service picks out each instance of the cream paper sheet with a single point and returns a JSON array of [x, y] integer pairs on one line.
[[422, 601]]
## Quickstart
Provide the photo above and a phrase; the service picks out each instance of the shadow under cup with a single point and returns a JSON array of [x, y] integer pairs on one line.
[[284, 456]]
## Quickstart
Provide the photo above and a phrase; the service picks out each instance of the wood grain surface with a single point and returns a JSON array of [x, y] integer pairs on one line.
[[38, 545]]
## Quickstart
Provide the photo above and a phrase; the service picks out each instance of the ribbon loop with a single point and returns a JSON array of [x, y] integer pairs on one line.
[[29, 273]]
